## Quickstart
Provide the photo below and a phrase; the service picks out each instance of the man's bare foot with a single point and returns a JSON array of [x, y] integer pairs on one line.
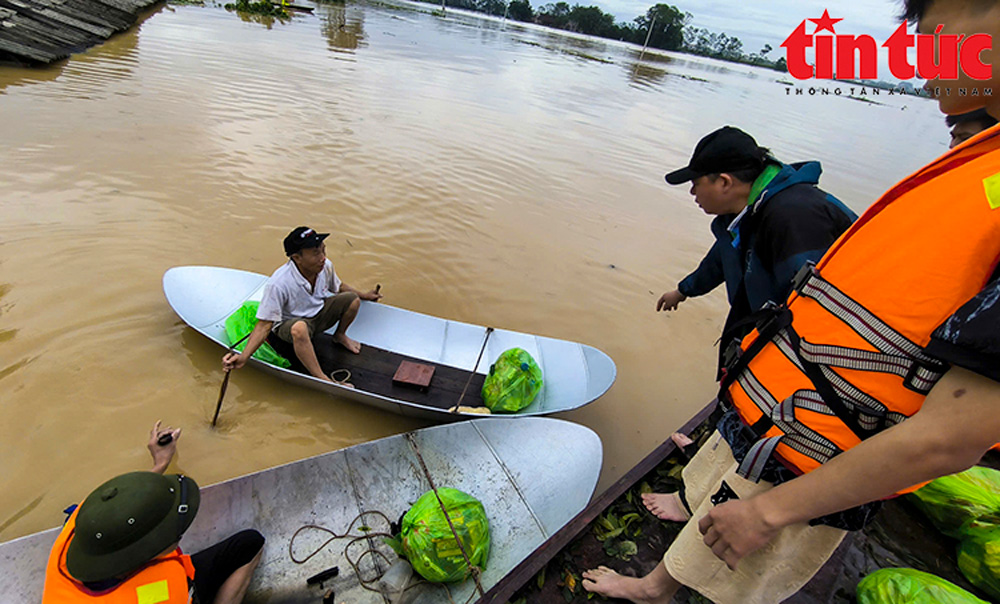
[[666, 506], [606, 582], [681, 440], [348, 343]]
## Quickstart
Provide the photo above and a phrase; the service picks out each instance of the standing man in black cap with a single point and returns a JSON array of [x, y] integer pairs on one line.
[[302, 298], [121, 543], [770, 219]]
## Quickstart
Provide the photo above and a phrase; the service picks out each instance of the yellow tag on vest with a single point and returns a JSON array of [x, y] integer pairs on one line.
[[152, 593], [992, 187]]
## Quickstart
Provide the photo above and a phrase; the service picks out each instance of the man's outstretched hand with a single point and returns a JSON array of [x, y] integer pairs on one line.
[[371, 295], [162, 454], [670, 300]]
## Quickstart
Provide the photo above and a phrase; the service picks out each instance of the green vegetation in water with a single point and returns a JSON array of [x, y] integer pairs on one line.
[[692, 78], [663, 26], [575, 53], [263, 8], [583, 55]]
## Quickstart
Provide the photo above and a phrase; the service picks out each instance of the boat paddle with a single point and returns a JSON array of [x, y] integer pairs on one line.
[[225, 381]]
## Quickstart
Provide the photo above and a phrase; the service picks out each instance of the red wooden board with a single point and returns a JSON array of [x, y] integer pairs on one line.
[[414, 374]]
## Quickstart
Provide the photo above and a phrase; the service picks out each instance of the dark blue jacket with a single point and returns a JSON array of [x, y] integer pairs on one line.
[[792, 222]]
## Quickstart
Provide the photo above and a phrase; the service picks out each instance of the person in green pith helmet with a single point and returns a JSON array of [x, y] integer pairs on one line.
[[122, 543]]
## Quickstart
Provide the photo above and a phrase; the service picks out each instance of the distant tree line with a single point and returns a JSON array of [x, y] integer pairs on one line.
[[665, 26]]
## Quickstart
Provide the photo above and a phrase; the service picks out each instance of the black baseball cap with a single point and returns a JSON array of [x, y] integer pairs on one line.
[[727, 149], [303, 238]]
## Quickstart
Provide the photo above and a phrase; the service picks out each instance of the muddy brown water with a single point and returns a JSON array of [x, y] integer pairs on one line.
[[483, 171]]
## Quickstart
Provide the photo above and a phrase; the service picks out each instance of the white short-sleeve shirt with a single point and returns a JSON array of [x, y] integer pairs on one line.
[[288, 294]]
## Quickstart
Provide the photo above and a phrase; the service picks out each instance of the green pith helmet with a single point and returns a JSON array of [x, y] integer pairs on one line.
[[129, 520]]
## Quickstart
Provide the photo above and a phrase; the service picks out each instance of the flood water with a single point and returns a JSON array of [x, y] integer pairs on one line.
[[497, 174]]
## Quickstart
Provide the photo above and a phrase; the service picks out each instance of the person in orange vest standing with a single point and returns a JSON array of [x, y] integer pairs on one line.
[[879, 373], [121, 545]]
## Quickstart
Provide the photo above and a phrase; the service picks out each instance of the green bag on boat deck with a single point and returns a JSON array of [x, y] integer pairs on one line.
[[242, 322], [429, 543], [909, 586], [979, 556], [513, 382], [956, 500]]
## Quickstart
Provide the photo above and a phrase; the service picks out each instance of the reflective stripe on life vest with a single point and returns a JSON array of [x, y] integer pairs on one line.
[[846, 360]]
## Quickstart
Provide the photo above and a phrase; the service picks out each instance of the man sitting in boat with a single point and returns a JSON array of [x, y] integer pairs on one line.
[[121, 543], [304, 297]]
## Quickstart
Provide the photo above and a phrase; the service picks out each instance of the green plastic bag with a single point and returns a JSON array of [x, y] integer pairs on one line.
[[956, 500], [429, 544], [909, 586], [979, 557], [513, 383], [242, 322]]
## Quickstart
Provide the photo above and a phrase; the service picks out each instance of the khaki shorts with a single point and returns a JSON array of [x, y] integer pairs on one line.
[[334, 308], [768, 575]]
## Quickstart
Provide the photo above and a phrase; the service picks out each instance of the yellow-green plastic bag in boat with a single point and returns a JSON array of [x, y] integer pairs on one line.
[[242, 322], [979, 557], [429, 543], [953, 501], [513, 382], [909, 586]]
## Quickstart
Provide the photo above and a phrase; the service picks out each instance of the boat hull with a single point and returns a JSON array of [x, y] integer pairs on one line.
[[532, 475], [574, 374]]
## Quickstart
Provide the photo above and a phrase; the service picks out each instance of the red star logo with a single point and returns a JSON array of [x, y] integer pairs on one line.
[[825, 22]]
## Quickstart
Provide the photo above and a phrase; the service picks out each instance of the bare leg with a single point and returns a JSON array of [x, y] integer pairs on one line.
[[681, 440], [666, 506], [340, 335], [235, 587], [305, 351], [658, 587]]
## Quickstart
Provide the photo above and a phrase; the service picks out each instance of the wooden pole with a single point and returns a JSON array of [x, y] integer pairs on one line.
[[225, 381], [489, 330], [648, 34]]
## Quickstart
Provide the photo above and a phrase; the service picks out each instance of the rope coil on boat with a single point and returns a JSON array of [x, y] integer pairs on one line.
[[366, 536], [371, 551], [474, 570], [344, 380]]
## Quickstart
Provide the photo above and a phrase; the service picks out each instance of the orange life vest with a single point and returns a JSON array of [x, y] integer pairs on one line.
[[844, 358], [163, 579]]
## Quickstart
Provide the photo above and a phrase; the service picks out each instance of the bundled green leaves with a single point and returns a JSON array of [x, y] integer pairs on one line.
[[951, 502], [967, 506], [979, 557], [242, 322], [513, 383], [909, 586], [262, 7], [429, 544]]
